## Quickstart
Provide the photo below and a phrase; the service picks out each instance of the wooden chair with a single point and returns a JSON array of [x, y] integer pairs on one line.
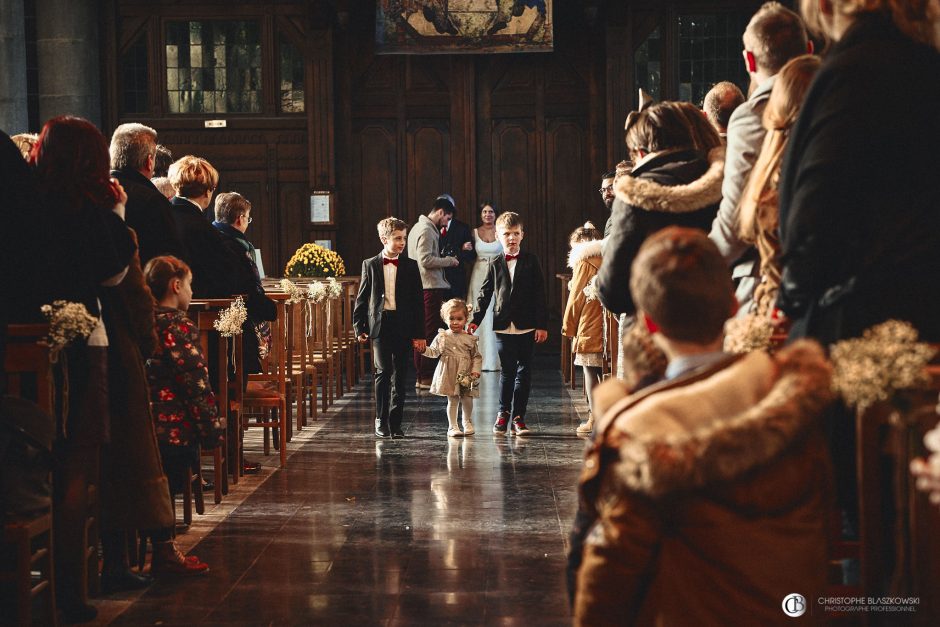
[[27, 543], [267, 392]]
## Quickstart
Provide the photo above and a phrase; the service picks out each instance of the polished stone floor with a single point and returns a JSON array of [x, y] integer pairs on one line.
[[421, 531]]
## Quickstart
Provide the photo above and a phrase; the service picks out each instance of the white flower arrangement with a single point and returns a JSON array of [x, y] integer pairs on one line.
[[296, 295], [748, 333], [590, 290], [333, 288], [467, 382], [231, 319], [317, 292], [68, 322], [927, 470], [886, 359]]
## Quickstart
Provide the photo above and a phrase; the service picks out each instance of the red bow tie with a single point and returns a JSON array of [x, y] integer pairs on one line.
[[511, 257], [386, 261], [444, 231]]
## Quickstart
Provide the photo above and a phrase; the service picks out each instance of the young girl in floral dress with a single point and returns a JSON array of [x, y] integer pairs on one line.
[[459, 367], [184, 409]]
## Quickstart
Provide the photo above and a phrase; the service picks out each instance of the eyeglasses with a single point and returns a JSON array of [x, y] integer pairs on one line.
[[249, 218], [604, 190]]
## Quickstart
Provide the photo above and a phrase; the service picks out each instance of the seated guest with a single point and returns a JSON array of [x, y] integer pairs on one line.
[[215, 268], [720, 102], [712, 484], [232, 217], [133, 155], [164, 186], [163, 161]]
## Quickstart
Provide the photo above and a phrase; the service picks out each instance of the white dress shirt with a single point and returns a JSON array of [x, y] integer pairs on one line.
[[390, 271]]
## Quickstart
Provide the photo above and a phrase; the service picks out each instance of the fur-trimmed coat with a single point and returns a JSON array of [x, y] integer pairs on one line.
[[584, 319], [712, 494], [680, 188]]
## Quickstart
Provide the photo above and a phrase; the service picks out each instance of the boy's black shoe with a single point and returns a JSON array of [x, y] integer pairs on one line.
[[398, 434], [381, 430], [502, 422], [123, 580]]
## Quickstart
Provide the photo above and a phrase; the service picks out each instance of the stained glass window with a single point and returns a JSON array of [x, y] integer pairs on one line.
[[647, 63], [710, 52], [213, 66], [292, 77], [134, 76]]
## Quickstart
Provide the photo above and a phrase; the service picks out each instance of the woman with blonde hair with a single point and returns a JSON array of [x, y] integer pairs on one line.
[[758, 215]]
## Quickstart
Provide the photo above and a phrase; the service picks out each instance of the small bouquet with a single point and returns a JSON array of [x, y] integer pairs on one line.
[[295, 294], [748, 333], [231, 319], [927, 470], [467, 383], [312, 260], [317, 292], [334, 288], [885, 360], [68, 322]]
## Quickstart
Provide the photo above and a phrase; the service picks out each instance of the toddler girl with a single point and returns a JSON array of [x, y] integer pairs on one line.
[[459, 366], [184, 409]]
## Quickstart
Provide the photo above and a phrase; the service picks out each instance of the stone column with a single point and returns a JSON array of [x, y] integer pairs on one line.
[[14, 115], [67, 49]]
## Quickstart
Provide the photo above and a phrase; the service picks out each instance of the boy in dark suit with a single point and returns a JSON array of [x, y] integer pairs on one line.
[[520, 319], [390, 311]]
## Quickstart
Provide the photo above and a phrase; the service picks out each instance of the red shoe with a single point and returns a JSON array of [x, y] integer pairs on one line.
[[169, 560]]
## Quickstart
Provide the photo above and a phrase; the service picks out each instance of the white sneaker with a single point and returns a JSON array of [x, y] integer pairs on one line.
[[454, 433], [468, 427]]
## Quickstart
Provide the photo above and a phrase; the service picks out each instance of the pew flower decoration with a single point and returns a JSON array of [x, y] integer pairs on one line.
[[312, 260], [466, 382], [875, 367], [317, 292], [334, 288], [927, 471], [295, 294], [230, 320], [748, 333], [68, 322]]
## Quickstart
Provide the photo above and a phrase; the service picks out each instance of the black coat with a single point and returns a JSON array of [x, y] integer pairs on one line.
[[679, 188], [520, 301], [409, 298], [859, 190], [148, 212], [451, 245], [217, 272]]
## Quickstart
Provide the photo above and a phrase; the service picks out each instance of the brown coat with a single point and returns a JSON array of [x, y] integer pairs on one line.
[[135, 494], [584, 319], [712, 493]]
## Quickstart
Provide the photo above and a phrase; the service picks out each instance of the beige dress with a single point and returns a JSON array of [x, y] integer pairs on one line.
[[458, 352]]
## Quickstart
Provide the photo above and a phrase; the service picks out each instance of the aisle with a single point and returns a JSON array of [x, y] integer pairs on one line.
[[421, 531]]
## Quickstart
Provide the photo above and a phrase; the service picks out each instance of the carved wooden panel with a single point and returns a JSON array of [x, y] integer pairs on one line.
[[374, 177], [427, 166]]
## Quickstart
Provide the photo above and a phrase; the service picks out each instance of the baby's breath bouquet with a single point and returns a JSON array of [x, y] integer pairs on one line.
[[334, 288], [316, 261], [927, 470], [231, 319], [748, 333], [317, 292], [875, 367], [467, 382], [68, 322], [295, 294]]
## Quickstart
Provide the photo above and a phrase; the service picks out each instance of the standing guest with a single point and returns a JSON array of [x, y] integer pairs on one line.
[[232, 217], [389, 311], [163, 161], [719, 103], [515, 280], [133, 155], [608, 196], [692, 477], [25, 142], [487, 248], [459, 357], [773, 36], [424, 247], [456, 241], [215, 269], [583, 319], [92, 249]]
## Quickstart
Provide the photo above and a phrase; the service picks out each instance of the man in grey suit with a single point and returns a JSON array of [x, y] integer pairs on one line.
[[774, 36], [423, 246]]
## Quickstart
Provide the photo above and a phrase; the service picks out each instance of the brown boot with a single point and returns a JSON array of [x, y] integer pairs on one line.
[[169, 560]]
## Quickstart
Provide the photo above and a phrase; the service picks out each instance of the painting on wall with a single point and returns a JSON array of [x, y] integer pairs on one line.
[[463, 26]]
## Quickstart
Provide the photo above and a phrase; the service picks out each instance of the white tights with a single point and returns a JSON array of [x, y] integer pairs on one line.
[[453, 402]]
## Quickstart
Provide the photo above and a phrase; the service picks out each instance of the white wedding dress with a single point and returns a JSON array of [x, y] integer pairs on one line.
[[486, 252]]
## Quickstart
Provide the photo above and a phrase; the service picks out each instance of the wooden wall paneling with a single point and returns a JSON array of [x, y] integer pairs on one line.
[[375, 176], [428, 167], [463, 138]]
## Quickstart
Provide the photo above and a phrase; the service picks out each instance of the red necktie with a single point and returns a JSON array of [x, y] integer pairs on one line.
[[511, 257], [444, 232], [386, 260]]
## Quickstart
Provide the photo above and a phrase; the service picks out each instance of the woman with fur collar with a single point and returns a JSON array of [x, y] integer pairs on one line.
[[676, 180], [583, 321], [710, 491]]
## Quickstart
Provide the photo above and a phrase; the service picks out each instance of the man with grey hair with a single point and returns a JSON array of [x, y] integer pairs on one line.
[[720, 102], [774, 36], [133, 154]]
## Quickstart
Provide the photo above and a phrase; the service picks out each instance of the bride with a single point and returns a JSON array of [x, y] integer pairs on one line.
[[487, 248]]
